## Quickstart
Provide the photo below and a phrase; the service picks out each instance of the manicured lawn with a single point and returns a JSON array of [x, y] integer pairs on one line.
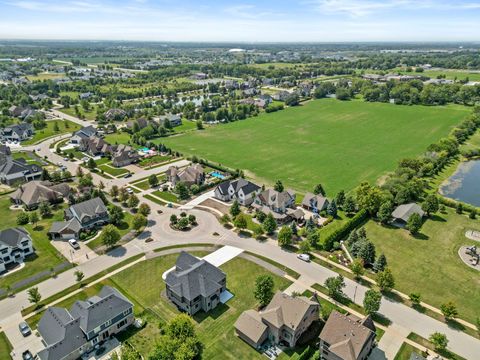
[[64, 126], [5, 346], [143, 283], [187, 125], [113, 170], [405, 352], [338, 144], [91, 114], [166, 195], [46, 256], [450, 74], [429, 264], [144, 184], [117, 138]]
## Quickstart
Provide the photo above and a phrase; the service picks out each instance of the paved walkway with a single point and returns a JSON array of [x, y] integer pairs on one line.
[[198, 200]]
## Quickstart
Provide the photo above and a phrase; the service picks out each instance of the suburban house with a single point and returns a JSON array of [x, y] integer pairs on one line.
[[192, 174], [115, 114], [15, 245], [314, 203], [199, 76], [33, 193], [195, 284], [70, 334], [281, 95], [84, 133], [174, 119], [141, 122], [14, 171], [276, 203], [403, 212], [283, 321], [84, 215], [242, 190], [17, 132], [345, 337], [95, 146], [123, 155]]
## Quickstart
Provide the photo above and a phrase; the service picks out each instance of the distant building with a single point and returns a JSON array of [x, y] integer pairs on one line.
[[69, 335], [284, 321], [276, 203], [345, 337], [402, 213], [174, 119], [15, 245], [84, 133], [195, 284], [95, 146], [123, 155], [115, 114], [199, 76]]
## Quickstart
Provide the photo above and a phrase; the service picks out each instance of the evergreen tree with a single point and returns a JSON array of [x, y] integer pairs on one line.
[[332, 209], [349, 206], [340, 199], [319, 190], [367, 252], [380, 264], [235, 208], [278, 186], [270, 225]]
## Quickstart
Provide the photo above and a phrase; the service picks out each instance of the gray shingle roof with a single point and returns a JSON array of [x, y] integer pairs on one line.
[[404, 211], [13, 236], [90, 208], [99, 309], [193, 277]]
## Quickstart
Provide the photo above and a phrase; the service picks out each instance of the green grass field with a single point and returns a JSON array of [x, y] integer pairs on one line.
[[338, 144], [429, 264], [118, 138], [45, 76], [109, 169], [91, 114], [46, 255], [48, 131], [450, 74], [5, 345]]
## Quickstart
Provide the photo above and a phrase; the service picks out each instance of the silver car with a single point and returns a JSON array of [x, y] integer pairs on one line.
[[24, 329]]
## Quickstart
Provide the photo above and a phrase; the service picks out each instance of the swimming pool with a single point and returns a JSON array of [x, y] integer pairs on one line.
[[217, 175]]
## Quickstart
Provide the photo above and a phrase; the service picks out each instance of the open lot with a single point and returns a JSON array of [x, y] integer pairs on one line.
[[429, 263], [64, 126], [335, 143], [46, 256]]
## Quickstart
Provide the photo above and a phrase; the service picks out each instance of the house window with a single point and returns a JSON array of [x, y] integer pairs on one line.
[[126, 312], [108, 323], [4, 251], [95, 340]]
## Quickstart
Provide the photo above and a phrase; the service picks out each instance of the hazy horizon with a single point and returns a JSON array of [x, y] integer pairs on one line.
[[309, 21]]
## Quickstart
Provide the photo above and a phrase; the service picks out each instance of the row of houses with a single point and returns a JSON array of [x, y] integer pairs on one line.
[[195, 285], [282, 205], [88, 141], [15, 246]]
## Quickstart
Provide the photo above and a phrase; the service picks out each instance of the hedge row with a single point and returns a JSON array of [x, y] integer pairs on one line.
[[453, 204], [343, 232]]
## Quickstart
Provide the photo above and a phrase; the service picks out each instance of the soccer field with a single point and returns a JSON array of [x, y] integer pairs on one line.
[[338, 144]]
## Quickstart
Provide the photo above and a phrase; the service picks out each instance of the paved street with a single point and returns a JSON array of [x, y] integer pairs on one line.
[[404, 319]]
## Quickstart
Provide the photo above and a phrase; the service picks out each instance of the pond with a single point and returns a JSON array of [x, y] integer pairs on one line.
[[464, 184]]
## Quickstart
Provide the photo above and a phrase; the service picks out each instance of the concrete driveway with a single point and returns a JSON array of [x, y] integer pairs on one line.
[[19, 342], [78, 256]]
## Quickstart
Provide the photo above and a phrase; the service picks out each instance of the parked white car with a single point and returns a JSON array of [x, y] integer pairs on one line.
[[304, 257], [74, 244]]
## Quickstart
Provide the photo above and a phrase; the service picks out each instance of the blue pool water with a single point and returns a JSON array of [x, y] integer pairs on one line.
[[217, 175]]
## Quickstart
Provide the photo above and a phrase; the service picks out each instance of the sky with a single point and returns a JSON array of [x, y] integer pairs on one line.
[[242, 21]]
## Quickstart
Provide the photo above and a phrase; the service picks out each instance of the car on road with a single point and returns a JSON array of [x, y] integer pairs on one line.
[[27, 355], [127, 175], [66, 159], [24, 329], [39, 149], [130, 190], [74, 244], [304, 257]]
